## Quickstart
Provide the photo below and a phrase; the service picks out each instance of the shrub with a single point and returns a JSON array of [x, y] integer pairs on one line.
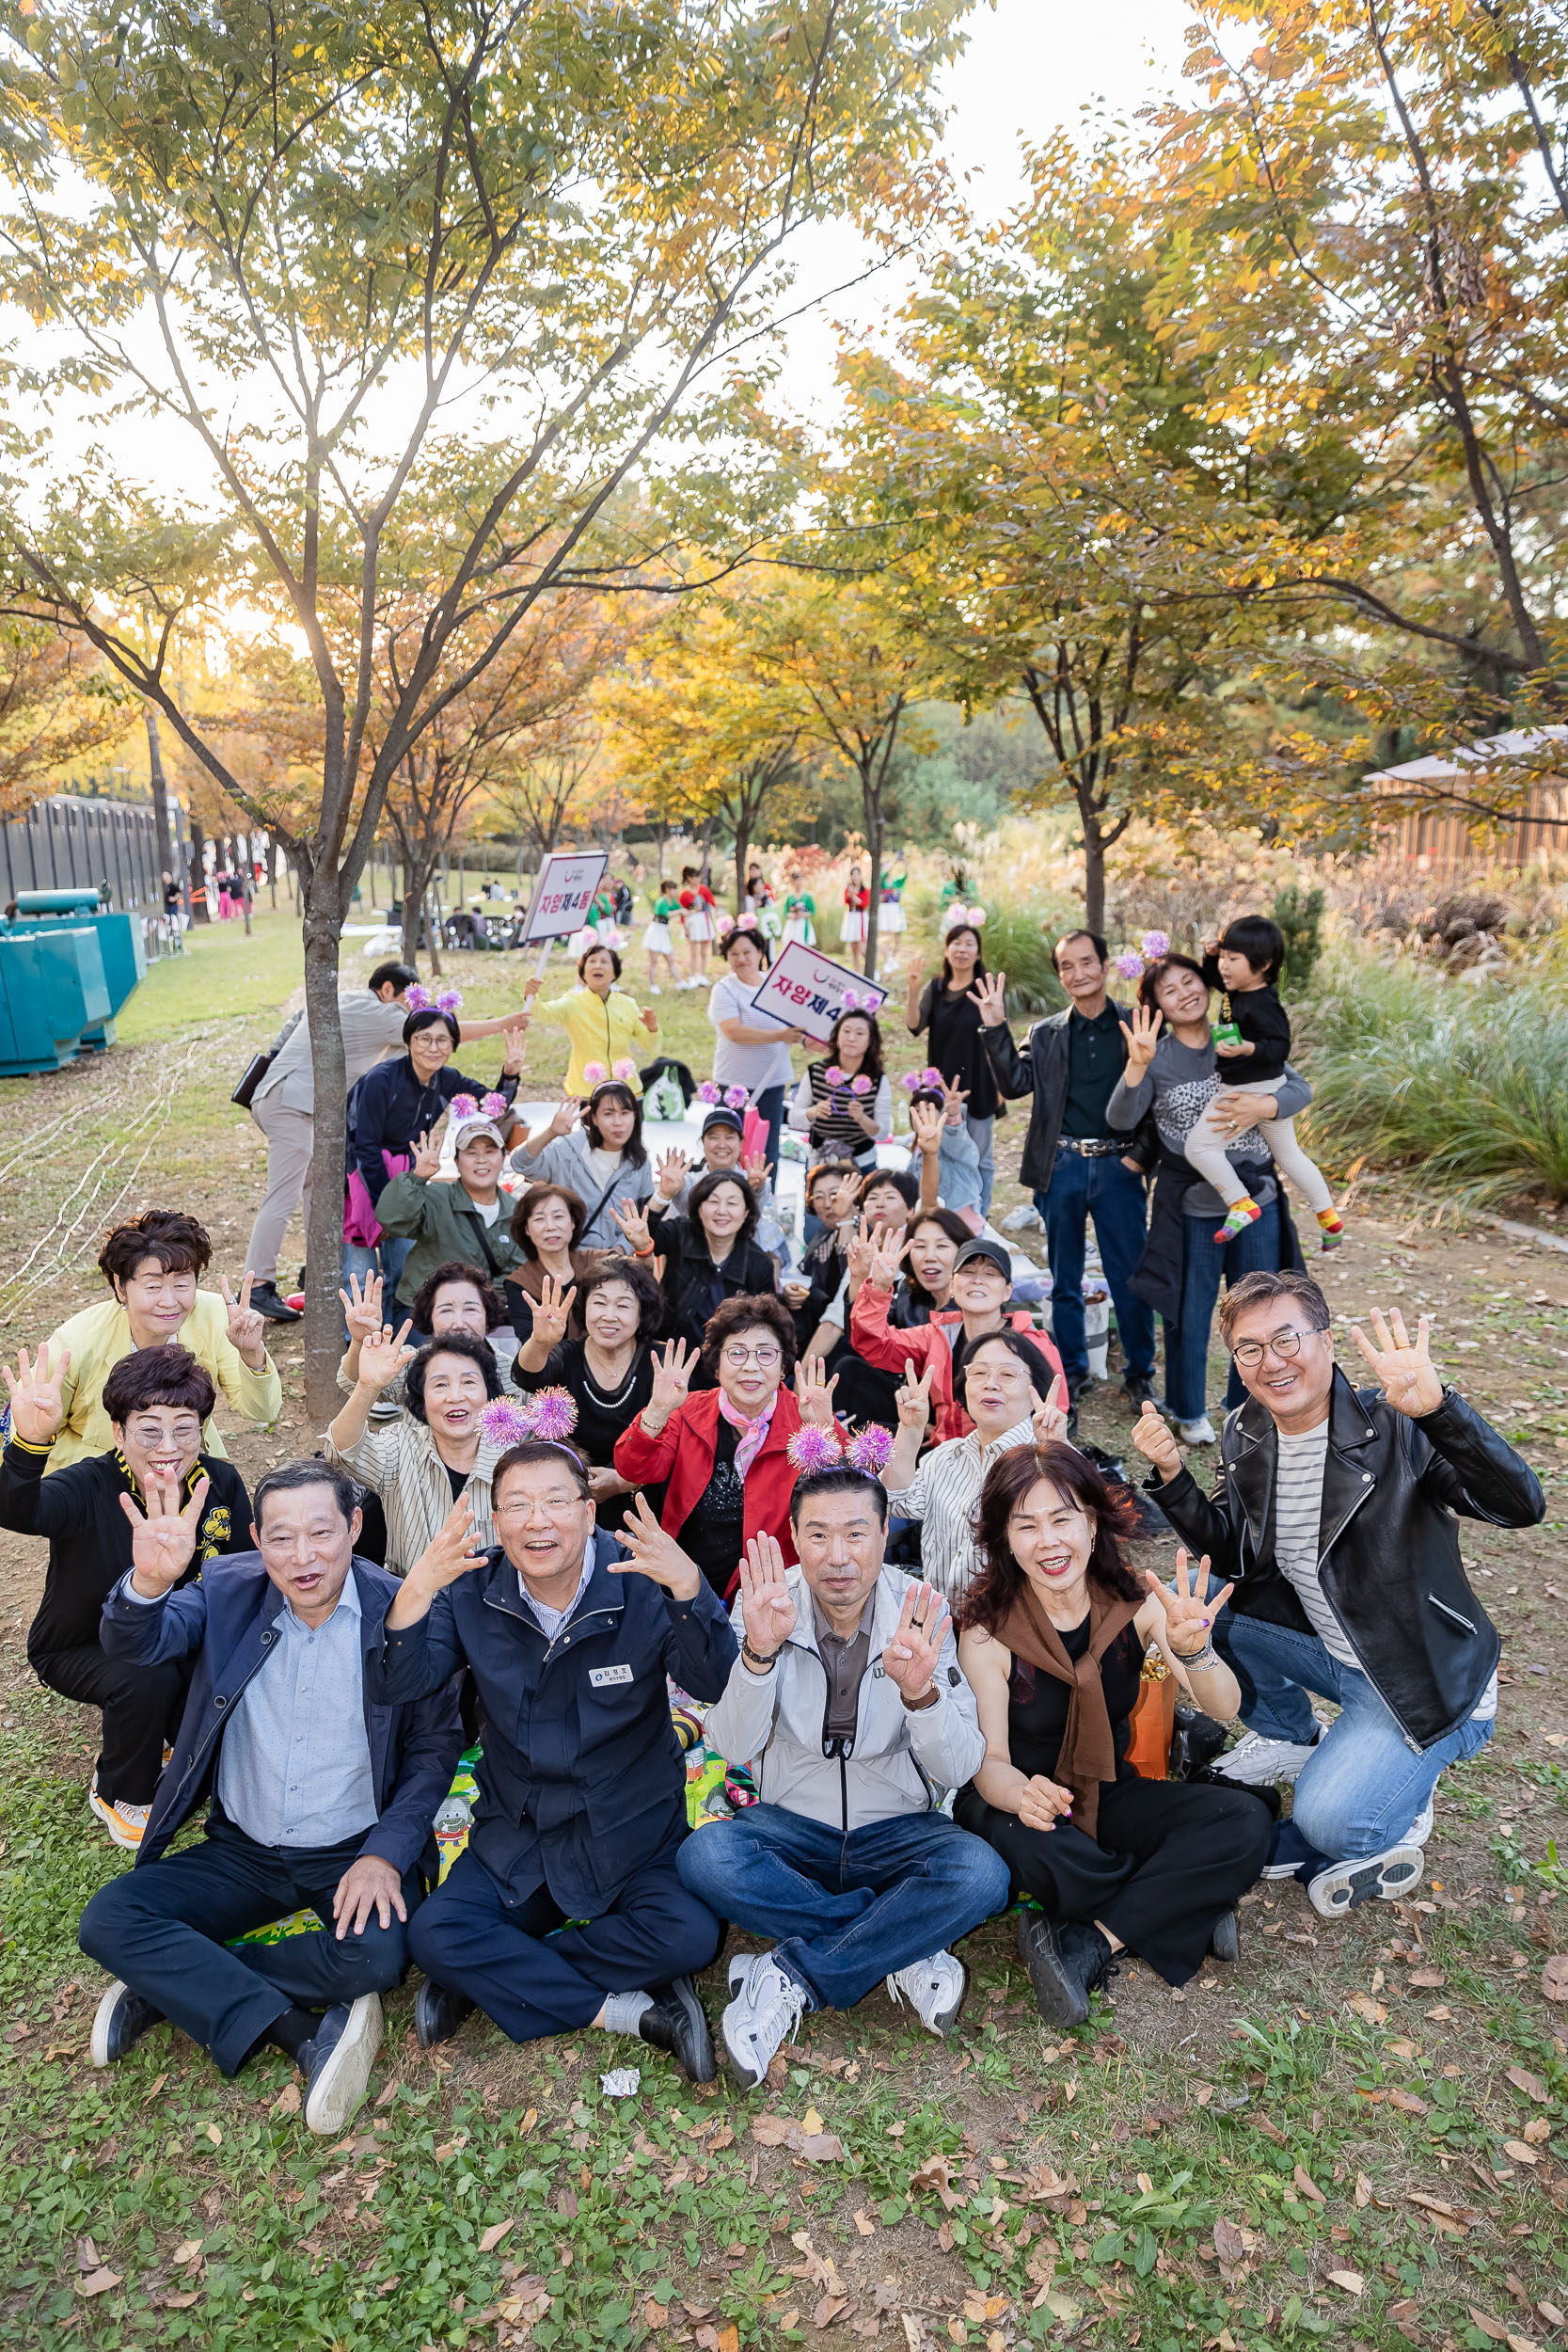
[[1019, 942], [1300, 916]]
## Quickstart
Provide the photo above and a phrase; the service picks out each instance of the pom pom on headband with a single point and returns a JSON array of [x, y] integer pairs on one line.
[[1130, 963], [505, 1423], [812, 1449], [495, 1106], [626, 1070], [416, 997], [548, 1417], [1155, 944], [450, 1000], [923, 1081], [868, 1451], [733, 1098], [464, 1106]]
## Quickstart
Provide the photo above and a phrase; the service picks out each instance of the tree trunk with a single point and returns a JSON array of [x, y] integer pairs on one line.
[[1094, 871], [168, 855], [323, 1326], [272, 870], [200, 910], [742, 859], [247, 884], [871, 803]]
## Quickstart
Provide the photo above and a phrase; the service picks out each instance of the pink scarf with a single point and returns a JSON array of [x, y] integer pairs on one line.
[[753, 1433]]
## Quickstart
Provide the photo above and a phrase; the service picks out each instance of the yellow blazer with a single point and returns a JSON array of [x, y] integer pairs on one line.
[[605, 1029]]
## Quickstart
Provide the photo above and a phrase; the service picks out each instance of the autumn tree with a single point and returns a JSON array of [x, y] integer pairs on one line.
[[57, 705], [490, 259]]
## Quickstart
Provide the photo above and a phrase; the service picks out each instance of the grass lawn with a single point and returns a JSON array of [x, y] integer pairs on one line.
[[1354, 2134]]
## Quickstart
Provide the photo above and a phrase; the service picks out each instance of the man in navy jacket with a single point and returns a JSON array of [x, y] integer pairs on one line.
[[582, 1802], [322, 1794]]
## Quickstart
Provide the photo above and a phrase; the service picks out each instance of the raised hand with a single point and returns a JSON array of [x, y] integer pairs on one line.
[[1142, 1037], [1403, 1368], [1191, 1609], [756, 1170], [382, 1356], [427, 1157], [451, 1552], [1049, 1414], [914, 1397], [990, 994], [633, 1221], [1043, 1803], [814, 1397], [649, 1019], [566, 1119], [163, 1540], [673, 1170], [860, 1249], [766, 1602], [247, 1330], [552, 1312], [953, 1092], [37, 1393], [1156, 1442], [673, 1368], [362, 1308], [888, 1256], [517, 1051], [910, 1657], [656, 1554], [915, 983], [927, 1122]]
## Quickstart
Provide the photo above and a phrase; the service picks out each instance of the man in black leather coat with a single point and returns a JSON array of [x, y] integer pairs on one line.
[[1336, 1513]]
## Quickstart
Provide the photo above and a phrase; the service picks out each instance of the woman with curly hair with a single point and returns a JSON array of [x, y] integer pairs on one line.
[[724, 1451], [434, 1454], [608, 1371], [1053, 1634]]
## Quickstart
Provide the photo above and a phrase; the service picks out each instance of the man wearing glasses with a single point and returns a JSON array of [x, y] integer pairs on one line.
[[1335, 1513]]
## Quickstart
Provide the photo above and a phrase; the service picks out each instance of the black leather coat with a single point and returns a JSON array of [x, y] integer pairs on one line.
[[1388, 1541]]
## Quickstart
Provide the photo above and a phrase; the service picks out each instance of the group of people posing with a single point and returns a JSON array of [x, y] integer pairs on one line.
[[611, 1473]]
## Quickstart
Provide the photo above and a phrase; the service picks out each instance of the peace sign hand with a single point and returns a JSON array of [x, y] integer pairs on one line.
[[1049, 1414], [163, 1543], [860, 1247], [38, 1402], [910, 1657], [815, 1399], [427, 1158], [656, 1554], [1191, 1609], [552, 1312], [247, 1330], [1404, 1371], [953, 1092], [383, 1356], [362, 1308], [1142, 1038], [767, 1606], [914, 1397], [990, 994]]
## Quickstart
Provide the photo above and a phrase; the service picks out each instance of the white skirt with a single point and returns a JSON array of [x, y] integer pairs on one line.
[[655, 939], [699, 923], [854, 926], [892, 917], [798, 929]]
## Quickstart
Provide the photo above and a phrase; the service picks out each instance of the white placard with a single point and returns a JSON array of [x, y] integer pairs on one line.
[[563, 894], [808, 990]]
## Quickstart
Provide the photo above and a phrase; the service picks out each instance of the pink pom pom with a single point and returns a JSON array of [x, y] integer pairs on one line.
[[1130, 964], [450, 1000], [462, 1106], [595, 1073], [416, 997], [506, 1421], [625, 1068], [860, 1083], [812, 1449], [850, 1001], [709, 1092], [1155, 944], [735, 1097], [834, 1074], [870, 1449], [495, 1106], [553, 1416]]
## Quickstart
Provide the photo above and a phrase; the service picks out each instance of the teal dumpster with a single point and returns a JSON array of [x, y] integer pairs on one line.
[[54, 997]]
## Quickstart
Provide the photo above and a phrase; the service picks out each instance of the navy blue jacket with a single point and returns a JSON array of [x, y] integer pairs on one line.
[[228, 1620], [583, 1781], [388, 1109]]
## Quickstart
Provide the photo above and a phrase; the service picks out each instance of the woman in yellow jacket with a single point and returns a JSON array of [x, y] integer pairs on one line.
[[601, 1022], [152, 1265]]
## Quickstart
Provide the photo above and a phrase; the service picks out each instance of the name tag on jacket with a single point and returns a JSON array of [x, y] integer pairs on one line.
[[601, 1677]]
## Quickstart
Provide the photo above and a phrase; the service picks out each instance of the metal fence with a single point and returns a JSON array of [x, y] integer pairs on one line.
[[69, 843]]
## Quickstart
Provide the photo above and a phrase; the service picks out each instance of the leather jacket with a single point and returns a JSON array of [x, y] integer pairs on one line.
[[1389, 1560]]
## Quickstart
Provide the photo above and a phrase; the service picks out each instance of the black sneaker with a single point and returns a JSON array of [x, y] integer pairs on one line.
[[677, 2023], [1138, 1391], [1059, 1992], [439, 2014], [1224, 1937], [267, 1300], [122, 2020], [1087, 1954], [336, 2062]]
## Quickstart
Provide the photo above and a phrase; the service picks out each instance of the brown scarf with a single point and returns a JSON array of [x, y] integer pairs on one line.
[[1088, 1754]]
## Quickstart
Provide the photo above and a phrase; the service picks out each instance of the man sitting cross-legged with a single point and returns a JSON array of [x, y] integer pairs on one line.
[[849, 1704], [1336, 1513], [323, 1795], [582, 1789]]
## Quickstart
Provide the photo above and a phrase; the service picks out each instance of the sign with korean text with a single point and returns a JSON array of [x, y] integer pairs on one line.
[[808, 990], [563, 894]]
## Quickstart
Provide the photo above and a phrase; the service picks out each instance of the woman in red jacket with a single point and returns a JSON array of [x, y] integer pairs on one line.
[[982, 1285], [724, 1451]]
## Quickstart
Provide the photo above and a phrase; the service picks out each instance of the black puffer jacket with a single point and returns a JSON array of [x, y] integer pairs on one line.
[[1388, 1543]]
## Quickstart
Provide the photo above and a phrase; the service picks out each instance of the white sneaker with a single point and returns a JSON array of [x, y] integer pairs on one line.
[[336, 2064], [933, 1988], [125, 1823], [653, 991], [765, 2013], [1346, 1886], [1199, 1432], [1255, 1762], [1420, 1828]]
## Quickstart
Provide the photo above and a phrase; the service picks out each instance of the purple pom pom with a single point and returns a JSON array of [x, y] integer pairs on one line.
[[1155, 944], [450, 1000], [553, 1416], [870, 1449], [708, 1092], [506, 1422], [416, 997], [1130, 964], [495, 1106], [812, 1449], [462, 1106], [735, 1097]]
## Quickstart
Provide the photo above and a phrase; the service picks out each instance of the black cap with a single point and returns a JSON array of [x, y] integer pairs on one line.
[[721, 1116], [999, 1255]]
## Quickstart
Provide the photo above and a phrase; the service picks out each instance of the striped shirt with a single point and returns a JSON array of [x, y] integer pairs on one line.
[[943, 1495], [1298, 1509], [398, 1461]]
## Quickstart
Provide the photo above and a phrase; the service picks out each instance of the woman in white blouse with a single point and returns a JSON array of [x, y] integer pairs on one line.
[[997, 1384]]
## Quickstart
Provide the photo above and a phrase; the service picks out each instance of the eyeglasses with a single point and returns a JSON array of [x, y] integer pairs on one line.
[[764, 1358], [1249, 1354]]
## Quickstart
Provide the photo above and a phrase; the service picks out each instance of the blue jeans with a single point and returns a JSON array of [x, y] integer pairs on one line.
[[844, 1909], [1254, 1250], [982, 1132], [1114, 1197], [1363, 1786], [769, 1105]]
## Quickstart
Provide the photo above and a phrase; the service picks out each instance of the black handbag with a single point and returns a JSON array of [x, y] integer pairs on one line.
[[257, 1066]]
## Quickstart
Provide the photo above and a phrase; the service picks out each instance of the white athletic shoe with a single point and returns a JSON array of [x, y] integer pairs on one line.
[[125, 1823], [765, 2013], [1346, 1886], [1199, 1432], [337, 2062], [1256, 1762], [1420, 1828], [933, 1988]]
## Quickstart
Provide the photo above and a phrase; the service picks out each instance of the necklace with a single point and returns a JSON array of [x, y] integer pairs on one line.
[[608, 1404]]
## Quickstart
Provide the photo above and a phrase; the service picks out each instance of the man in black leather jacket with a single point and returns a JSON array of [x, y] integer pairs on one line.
[[1335, 1515]]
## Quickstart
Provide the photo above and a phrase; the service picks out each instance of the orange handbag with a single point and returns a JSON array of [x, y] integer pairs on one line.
[[1154, 1721]]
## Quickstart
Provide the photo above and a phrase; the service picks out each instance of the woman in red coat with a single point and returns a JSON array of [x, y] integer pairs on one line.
[[724, 1451]]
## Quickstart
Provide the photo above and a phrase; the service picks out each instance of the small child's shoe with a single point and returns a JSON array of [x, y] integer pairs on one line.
[[1333, 1228], [1238, 1218]]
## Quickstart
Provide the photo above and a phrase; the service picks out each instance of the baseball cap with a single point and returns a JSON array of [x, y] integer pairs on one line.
[[994, 1250], [480, 1126], [723, 1117]]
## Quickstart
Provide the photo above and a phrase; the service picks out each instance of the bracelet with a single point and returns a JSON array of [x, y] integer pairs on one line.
[[754, 1657], [1201, 1660], [644, 1253]]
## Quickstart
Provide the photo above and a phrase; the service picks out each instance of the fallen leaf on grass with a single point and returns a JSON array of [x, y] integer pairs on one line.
[[287, 2101], [495, 2233], [1531, 2084], [1552, 2318], [1488, 2326], [1520, 2152], [829, 2309], [1363, 2190], [1350, 2281], [148, 2096], [214, 2135], [1307, 2185], [863, 2222], [98, 2282], [1427, 1979], [727, 2337], [1521, 2343], [1364, 2006], [187, 2252], [812, 2123], [181, 2302], [1554, 1977], [1537, 2129], [772, 2130], [1407, 2103], [1229, 2245]]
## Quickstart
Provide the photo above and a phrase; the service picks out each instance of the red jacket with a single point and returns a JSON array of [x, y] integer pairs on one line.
[[929, 1343], [682, 1453]]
